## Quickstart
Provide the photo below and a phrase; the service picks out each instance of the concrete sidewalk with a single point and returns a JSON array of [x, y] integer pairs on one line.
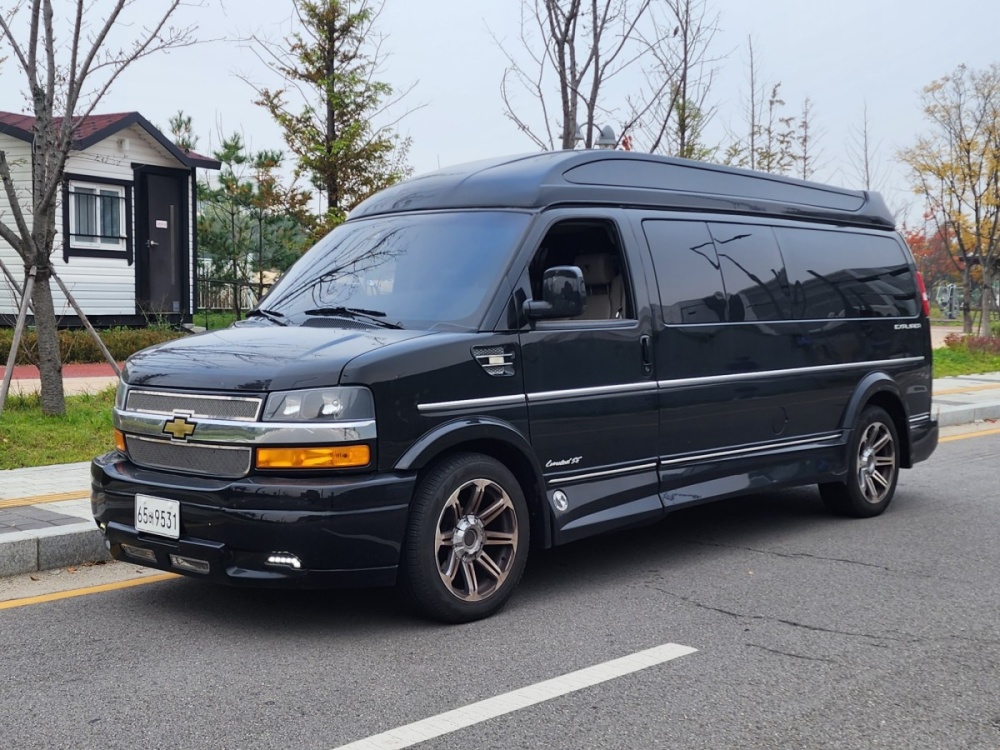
[[45, 519], [77, 379]]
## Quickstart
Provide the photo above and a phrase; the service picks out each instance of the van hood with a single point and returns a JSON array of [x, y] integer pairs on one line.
[[257, 357]]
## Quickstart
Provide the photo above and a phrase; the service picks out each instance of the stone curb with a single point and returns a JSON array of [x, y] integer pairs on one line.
[[56, 547], [968, 414]]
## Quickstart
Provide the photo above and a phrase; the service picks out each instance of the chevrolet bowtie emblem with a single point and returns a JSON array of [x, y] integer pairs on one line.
[[179, 427]]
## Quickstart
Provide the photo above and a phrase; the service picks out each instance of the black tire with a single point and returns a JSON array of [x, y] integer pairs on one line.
[[873, 468], [467, 541]]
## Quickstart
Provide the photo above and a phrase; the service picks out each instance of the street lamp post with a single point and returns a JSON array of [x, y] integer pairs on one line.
[[606, 138]]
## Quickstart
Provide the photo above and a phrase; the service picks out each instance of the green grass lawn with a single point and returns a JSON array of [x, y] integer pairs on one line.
[[213, 320], [949, 362], [27, 438]]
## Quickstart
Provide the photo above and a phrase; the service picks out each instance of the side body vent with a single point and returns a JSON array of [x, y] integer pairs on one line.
[[498, 361]]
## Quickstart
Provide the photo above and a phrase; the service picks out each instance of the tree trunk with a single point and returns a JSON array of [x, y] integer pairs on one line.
[[986, 301], [49, 360], [332, 179], [966, 300]]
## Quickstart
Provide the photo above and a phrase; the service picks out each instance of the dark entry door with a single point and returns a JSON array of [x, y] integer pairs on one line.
[[590, 385], [162, 243]]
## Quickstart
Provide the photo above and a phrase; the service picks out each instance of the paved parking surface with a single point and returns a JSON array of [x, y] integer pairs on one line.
[[811, 632]]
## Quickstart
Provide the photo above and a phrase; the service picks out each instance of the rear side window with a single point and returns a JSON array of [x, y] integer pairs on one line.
[[752, 271], [687, 271], [846, 275]]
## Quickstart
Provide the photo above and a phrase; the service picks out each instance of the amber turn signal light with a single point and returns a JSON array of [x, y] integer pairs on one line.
[[326, 457], [120, 440]]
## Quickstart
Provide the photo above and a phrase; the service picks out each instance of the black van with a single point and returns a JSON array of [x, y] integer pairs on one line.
[[520, 353]]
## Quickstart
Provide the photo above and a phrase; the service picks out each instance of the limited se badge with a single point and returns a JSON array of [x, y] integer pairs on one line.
[[563, 462], [179, 427]]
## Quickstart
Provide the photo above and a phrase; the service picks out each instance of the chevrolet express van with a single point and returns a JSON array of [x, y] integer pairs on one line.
[[520, 353]]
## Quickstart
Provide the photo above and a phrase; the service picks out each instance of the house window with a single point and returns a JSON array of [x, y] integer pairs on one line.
[[97, 216]]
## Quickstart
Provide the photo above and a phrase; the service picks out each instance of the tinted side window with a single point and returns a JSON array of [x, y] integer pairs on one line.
[[752, 271], [837, 274], [594, 246], [687, 271]]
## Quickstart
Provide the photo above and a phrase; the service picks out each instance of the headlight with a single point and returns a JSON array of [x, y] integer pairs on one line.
[[120, 393], [344, 404]]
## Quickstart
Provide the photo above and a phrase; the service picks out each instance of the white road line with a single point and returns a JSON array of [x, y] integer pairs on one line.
[[475, 713]]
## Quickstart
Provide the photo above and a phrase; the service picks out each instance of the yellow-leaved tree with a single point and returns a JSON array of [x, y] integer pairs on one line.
[[956, 168]]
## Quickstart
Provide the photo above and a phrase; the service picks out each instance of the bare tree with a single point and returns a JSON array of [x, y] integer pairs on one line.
[[742, 149], [683, 72], [768, 138], [864, 154], [571, 53], [69, 63], [808, 138]]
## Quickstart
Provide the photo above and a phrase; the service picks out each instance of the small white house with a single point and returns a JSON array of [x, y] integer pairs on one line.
[[127, 241]]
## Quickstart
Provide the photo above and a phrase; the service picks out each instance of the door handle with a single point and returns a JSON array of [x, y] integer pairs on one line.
[[646, 347], [152, 243]]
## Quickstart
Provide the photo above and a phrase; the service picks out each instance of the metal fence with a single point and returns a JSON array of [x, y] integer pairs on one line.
[[217, 295]]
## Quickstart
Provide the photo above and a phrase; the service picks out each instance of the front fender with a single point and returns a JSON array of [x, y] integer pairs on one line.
[[461, 431], [494, 437]]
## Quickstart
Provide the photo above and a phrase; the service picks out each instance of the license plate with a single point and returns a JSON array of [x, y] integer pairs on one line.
[[157, 515]]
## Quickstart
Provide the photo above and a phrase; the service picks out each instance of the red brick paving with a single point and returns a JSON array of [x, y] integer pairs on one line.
[[92, 370]]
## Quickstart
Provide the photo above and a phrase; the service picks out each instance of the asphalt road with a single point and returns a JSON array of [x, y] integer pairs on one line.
[[811, 632]]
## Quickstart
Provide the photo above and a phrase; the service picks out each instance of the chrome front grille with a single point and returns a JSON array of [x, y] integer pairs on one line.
[[239, 408], [220, 461]]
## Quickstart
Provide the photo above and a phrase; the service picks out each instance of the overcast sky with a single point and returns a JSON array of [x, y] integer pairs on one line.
[[840, 54]]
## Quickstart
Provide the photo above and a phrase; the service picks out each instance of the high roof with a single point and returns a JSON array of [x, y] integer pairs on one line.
[[626, 179], [96, 128]]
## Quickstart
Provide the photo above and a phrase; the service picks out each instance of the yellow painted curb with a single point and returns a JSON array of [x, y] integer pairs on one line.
[[967, 435], [12, 603], [950, 391], [18, 502]]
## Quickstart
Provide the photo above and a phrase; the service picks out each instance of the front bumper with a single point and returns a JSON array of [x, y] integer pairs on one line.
[[346, 531]]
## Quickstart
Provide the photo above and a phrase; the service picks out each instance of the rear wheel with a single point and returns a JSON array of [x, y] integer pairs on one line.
[[467, 542], [873, 468]]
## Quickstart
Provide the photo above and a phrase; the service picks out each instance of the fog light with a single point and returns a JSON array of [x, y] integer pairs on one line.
[[140, 553], [284, 559], [326, 457], [189, 563]]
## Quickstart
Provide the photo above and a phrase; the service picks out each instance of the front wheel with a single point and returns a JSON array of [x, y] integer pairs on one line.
[[873, 468], [467, 542]]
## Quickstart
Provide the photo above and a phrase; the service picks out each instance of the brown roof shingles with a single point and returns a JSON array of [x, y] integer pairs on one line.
[[86, 128], [96, 127]]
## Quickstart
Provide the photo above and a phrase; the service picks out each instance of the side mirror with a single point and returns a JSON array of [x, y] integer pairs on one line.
[[563, 294]]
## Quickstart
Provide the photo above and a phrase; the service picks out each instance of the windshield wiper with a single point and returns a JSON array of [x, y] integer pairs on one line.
[[355, 313], [274, 317]]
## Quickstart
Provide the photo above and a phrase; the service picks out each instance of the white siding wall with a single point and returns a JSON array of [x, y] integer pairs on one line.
[[102, 286], [19, 159]]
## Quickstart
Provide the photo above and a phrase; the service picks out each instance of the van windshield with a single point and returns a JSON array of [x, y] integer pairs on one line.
[[413, 271]]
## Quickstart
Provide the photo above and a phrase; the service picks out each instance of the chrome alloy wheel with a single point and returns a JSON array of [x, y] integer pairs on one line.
[[477, 540], [876, 462]]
